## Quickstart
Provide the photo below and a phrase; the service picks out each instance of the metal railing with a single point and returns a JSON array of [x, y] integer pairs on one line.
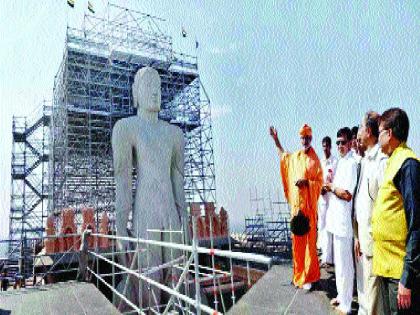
[[184, 291], [187, 263]]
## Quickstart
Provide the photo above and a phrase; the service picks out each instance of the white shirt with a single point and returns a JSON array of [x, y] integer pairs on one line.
[[371, 175], [327, 165], [356, 156], [339, 211]]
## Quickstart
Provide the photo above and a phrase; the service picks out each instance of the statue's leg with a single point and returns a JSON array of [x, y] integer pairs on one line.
[[152, 261], [128, 286], [175, 260]]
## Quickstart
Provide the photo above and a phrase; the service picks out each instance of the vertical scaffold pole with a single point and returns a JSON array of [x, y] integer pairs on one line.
[[139, 270], [196, 263], [232, 288], [213, 267], [97, 260], [113, 264]]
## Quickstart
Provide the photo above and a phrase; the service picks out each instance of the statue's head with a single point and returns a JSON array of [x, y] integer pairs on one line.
[[146, 90]]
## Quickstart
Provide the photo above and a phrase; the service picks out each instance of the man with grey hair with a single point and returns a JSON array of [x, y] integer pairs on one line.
[[372, 168]]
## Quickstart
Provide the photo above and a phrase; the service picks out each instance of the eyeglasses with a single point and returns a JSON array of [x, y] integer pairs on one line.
[[342, 142]]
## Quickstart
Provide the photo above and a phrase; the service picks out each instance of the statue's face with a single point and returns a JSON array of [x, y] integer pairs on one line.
[[147, 90]]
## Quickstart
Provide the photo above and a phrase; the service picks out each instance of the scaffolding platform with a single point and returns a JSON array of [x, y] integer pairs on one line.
[[60, 298]]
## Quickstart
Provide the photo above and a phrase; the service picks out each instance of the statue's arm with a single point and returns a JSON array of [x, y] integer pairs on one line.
[[123, 167], [177, 177]]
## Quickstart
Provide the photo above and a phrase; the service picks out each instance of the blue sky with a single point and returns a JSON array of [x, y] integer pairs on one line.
[[269, 62]]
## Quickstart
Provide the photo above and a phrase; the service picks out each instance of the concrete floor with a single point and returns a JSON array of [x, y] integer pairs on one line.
[[60, 298], [274, 294]]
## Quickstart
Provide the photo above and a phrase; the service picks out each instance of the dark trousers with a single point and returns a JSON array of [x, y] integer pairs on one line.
[[389, 292]]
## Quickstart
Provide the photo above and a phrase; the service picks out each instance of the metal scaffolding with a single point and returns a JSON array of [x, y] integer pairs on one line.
[[92, 90], [28, 175], [268, 230], [29, 186]]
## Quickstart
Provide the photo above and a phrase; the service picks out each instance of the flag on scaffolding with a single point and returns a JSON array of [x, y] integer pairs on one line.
[[71, 3], [90, 7], [183, 32]]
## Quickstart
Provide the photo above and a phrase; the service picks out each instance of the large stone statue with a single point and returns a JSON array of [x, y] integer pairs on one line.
[[157, 150]]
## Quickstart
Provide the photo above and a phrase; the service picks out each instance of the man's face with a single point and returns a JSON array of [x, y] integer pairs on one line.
[[384, 138], [362, 137], [306, 142], [353, 143], [343, 145], [326, 148], [360, 148]]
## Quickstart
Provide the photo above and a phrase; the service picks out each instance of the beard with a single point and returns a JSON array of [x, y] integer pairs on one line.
[[306, 147]]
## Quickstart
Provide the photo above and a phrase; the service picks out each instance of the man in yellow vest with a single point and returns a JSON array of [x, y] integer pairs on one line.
[[396, 219]]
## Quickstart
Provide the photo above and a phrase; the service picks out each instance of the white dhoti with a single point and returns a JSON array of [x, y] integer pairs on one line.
[[344, 271], [327, 247], [361, 285], [367, 287], [325, 238]]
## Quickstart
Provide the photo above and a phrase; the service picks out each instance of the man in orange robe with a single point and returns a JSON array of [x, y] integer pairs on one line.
[[301, 175]]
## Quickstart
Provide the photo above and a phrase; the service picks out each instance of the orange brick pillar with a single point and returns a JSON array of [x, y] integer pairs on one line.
[[210, 215], [223, 221], [68, 226], [51, 244], [195, 210], [104, 229]]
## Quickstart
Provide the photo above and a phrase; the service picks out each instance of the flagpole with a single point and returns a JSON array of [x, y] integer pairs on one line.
[[196, 51]]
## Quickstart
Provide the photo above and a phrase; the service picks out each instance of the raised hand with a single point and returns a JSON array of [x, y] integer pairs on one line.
[[273, 132]]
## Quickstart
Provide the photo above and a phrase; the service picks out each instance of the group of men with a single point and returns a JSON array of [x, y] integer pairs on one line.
[[363, 210]]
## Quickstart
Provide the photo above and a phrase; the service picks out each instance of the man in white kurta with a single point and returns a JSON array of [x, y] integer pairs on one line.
[[373, 165], [339, 221], [325, 239]]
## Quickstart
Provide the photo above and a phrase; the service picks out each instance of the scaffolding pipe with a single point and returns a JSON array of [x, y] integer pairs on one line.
[[186, 299], [201, 250], [196, 262], [114, 291]]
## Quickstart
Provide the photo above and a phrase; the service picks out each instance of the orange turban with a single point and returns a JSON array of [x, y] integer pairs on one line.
[[305, 130]]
